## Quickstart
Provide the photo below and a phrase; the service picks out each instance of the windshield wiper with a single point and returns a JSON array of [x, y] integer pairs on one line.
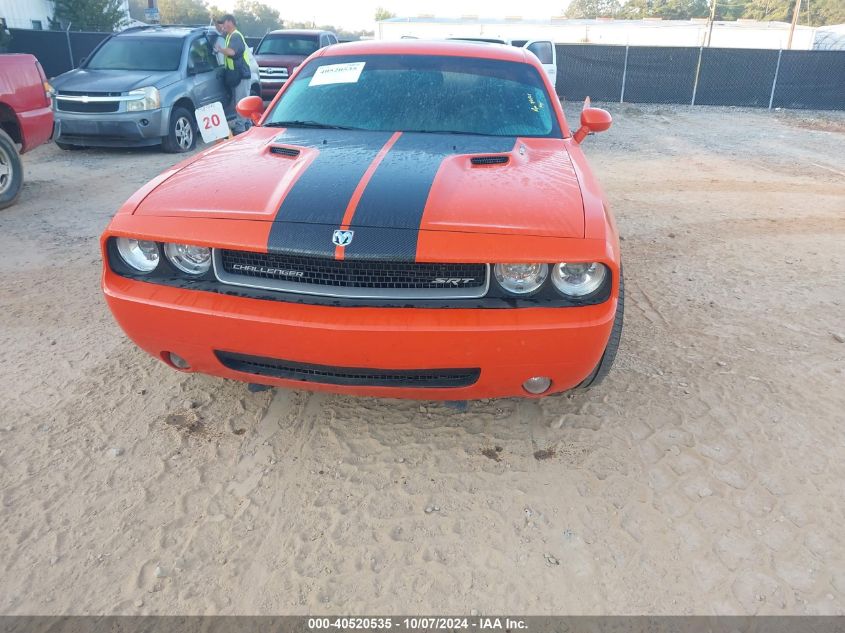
[[311, 124]]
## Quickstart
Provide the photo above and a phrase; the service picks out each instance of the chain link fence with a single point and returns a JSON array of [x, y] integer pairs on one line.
[[635, 74], [702, 76]]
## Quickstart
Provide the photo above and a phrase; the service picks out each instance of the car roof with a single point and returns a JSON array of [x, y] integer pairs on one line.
[[457, 48], [161, 31], [298, 32]]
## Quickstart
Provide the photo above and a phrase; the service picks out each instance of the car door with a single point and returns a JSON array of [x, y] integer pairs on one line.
[[546, 53], [205, 74]]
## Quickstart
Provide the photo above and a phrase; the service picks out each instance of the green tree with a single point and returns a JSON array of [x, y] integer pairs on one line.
[[824, 12], [588, 9], [183, 12], [665, 9], [90, 15], [255, 18], [384, 14]]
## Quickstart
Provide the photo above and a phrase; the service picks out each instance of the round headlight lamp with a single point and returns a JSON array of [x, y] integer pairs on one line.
[[193, 260], [521, 279], [140, 255], [578, 280]]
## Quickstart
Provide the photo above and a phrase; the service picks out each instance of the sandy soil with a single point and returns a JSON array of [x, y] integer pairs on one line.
[[704, 476]]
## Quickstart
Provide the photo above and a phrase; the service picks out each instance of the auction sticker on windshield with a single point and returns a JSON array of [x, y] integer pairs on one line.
[[337, 74], [212, 123]]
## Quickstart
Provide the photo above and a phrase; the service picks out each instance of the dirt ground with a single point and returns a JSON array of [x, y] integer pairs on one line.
[[704, 476]]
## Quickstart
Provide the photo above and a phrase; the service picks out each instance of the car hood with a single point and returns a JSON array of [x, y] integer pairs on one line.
[[84, 80], [388, 187]]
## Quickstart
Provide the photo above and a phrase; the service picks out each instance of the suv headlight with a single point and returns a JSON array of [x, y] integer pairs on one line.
[[521, 279], [578, 280], [147, 98]]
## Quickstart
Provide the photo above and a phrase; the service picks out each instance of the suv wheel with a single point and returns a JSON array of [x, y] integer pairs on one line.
[[11, 171], [181, 136]]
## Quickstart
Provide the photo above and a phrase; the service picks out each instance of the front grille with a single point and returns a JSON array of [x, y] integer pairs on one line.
[[350, 278], [349, 376], [90, 106], [269, 72]]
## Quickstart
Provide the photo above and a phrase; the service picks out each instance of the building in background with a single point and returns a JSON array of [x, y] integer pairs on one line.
[[32, 14], [648, 32]]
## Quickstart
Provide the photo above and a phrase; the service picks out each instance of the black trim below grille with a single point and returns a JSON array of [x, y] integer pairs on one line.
[[349, 376]]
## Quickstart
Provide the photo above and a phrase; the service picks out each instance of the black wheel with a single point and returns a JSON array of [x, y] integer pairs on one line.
[[181, 136], [609, 355], [11, 171], [255, 90], [68, 146]]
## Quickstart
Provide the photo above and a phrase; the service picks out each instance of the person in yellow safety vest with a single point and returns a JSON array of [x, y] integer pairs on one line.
[[237, 59]]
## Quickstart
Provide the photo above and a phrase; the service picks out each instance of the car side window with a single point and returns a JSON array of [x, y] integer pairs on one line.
[[200, 57], [543, 51], [332, 39], [324, 41]]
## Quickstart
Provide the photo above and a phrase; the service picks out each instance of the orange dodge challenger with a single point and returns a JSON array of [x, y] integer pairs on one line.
[[407, 219]]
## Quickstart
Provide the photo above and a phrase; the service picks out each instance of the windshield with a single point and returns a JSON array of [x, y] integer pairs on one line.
[[125, 53], [287, 45], [422, 93]]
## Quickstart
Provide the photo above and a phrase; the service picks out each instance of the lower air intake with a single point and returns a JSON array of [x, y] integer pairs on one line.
[[349, 376]]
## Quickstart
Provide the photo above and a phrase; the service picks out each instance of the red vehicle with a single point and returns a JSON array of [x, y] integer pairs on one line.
[[280, 52], [407, 219], [26, 118]]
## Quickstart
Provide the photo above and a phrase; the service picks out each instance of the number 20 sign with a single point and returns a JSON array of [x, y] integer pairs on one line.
[[212, 123]]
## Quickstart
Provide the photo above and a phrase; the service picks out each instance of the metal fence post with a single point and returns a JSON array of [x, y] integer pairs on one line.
[[624, 75], [697, 74], [775, 80], [69, 48]]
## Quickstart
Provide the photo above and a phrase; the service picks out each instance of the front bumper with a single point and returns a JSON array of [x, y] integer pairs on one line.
[[508, 346], [118, 129], [269, 88]]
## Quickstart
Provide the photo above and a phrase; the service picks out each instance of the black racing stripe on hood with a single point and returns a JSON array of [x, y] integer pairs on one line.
[[318, 199], [396, 196]]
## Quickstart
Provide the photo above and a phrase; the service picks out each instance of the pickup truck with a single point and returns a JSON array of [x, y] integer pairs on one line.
[[280, 52], [26, 118]]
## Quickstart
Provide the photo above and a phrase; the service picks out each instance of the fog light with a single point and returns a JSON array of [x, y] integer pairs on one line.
[[178, 361], [537, 384]]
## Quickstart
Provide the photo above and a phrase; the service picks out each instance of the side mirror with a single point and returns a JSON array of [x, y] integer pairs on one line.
[[592, 120], [251, 108]]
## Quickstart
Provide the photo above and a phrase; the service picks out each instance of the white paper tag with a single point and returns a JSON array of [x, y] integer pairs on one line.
[[212, 122], [337, 74]]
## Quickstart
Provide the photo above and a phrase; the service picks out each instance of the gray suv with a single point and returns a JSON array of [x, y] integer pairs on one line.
[[140, 87]]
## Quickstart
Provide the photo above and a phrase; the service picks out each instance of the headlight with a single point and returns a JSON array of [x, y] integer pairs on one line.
[[140, 255], [578, 280], [521, 279], [143, 99], [194, 260]]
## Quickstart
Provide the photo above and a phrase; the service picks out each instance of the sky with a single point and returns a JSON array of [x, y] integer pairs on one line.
[[359, 14]]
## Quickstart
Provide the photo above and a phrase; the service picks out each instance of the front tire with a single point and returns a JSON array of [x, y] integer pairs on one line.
[[11, 171], [181, 135], [609, 355]]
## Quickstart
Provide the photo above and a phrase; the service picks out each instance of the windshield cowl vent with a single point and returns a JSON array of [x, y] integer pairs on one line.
[[289, 152], [485, 161]]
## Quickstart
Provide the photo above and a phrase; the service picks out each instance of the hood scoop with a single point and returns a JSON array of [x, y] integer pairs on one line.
[[281, 150], [486, 161]]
